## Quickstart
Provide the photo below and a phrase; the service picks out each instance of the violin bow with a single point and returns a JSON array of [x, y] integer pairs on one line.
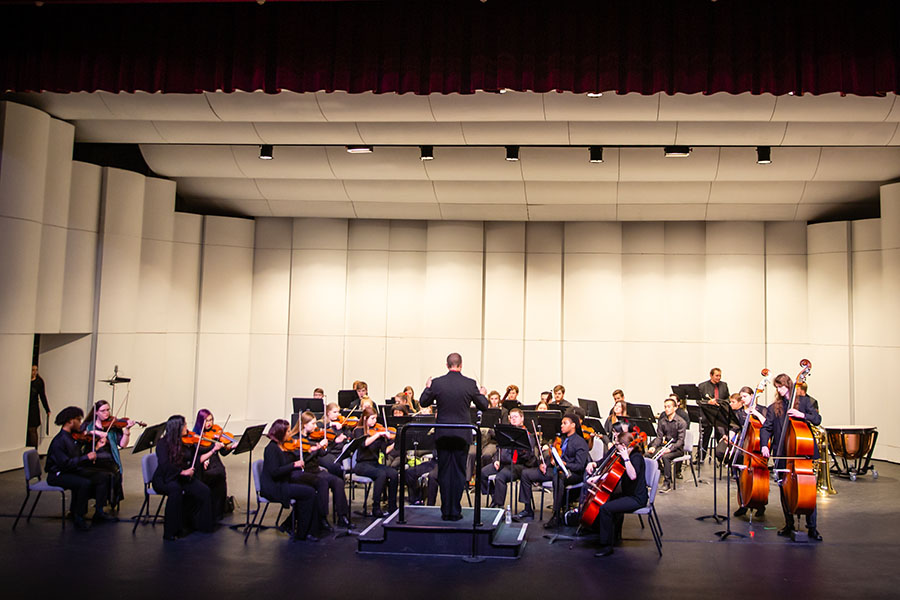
[[538, 445]]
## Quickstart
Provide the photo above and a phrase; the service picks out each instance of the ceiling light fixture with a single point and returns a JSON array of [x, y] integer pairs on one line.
[[359, 149], [265, 152], [763, 155], [677, 151], [512, 153], [594, 94], [596, 154], [427, 152]]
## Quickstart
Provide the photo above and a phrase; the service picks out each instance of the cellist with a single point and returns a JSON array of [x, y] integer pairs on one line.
[[773, 429], [632, 490]]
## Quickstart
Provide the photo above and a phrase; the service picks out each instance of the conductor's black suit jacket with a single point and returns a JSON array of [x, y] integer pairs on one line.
[[454, 393]]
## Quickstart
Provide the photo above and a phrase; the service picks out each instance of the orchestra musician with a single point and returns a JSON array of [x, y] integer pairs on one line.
[[367, 460], [739, 403], [619, 396], [319, 393], [321, 480], [509, 464], [632, 491], [574, 454], [669, 428], [362, 391], [542, 405], [512, 393], [453, 394], [211, 469], [108, 457], [760, 411], [559, 393], [189, 503], [66, 468], [711, 390], [546, 397], [619, 412], [334, 423], [411, 398], [778, 413], [275, 484]]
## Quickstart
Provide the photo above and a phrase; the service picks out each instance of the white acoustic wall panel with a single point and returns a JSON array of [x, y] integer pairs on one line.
[[367, 281], [408, 235], [405, 287], [644, 296], [591, 370], [51, 278], [404, 366], [462, 236], [318, 291], [890, 244], [741, 363], [434, 357], [871, 407], [368, 235], [227, 286], [114, 349], [149, 381], [266, 385], [320, 234], [15, 371], [828, 283], [315, 361], [733, 297], [504, 296], [452, 296], [364, 359], [593, 308], [155, 274], [543, 296], [867, 299], [543, 367], [180, 362], [270, 305], [222, 373], [25, 134], [786, 299], [683, 314], [183, 308], [81, 248], [65, 365], [829, 382], [58, 176], [84, 197], [504, 365]]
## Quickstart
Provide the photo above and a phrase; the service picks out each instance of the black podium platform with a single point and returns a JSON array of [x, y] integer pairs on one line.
[[425, 534]]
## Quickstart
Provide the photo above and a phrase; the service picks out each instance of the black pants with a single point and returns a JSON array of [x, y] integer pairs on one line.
[[306, 511], [322, 481], [84, 485], [610, 516], [789, 517], [335, 469], [505, 476], [380, 475], [452, 455], [666, 461], [218, 490], [412, 475], [532, 476], [189, 504]]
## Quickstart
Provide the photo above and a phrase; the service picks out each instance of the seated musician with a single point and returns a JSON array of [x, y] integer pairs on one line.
[[368, 464], [410, 394], [108, 458], [723, 447], [631, 493], [773, 429], [619, 412], [488, 445], [66, 468], [424, 463], [512, 393], [670, 430], [746, 394], [546, 397], [509, 464], [189, 503], [319, 393], [362, 391], [559, 397], [334, 427], [574, 454], [619, 396], [321, 479], [739, 403], [276, 485], [542, 405], [211, 468]]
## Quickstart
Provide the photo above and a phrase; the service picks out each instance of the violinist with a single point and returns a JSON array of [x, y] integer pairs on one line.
[[411, 398], [370, 463], [542, 405], [319, 393], [670, 428], [573, 450], [66, 468], [118, 435], [337, 436], [276, 485], [773, 429], [632, 491], [211, 469], [189, 503], [509, 464], [362, 392], [314, 445]]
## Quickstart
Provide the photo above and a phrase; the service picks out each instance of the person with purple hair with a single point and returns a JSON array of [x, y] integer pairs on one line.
[[211, 468]]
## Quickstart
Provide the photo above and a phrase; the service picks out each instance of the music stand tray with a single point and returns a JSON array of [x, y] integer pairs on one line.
[[510, 404], [315, 405], [490, 417], [641, 411], [686, 391], [149, 438], [348, 398], [643, 425], [591, 407], [512, 437]]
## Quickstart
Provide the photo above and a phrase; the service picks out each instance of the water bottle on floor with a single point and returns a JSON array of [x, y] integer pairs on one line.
[[508, 515]]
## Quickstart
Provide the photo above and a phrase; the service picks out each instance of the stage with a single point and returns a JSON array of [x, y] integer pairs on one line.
[[860, 524]]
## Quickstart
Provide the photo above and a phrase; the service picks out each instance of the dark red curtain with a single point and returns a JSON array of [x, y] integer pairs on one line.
[[433, 46]]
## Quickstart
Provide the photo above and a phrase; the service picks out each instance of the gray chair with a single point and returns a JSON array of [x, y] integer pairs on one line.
[[261, 502], [148, 468], [32, 463], [350, 467], [547, 486], [687, 457], [652, 475]]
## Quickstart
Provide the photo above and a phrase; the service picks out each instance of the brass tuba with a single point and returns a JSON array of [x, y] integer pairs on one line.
[[823, 473]]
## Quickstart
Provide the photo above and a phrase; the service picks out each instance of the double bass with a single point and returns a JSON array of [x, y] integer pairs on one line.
[[600, 487], [751, 468], [797, 447]]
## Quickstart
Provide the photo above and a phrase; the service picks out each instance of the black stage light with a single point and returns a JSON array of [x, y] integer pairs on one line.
[[427, 152], [763, 155], [596, 154], [677, 151], [512, 153], [265, 152]]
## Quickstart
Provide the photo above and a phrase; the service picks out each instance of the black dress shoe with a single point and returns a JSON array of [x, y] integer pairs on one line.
[[814, 534], [552, 523], [454, 517], [524, 515], [307, 538], [81, 524], [761, 512], [378, 514], [102, 517], [786, 531], [604, 551], [324, 525], [344, 523], [741, 511]]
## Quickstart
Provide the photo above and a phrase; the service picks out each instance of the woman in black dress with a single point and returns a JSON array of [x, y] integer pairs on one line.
[[211, 468], [275, 484]]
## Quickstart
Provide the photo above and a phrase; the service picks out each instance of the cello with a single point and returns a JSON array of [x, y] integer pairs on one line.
[[752, 473], [798, 446], [600, 487]]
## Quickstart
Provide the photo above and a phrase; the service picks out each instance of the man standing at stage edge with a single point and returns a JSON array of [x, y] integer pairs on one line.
[[453, 394]]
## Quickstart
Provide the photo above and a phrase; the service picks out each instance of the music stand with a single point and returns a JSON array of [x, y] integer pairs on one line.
[[248, 441], [642, 411], [348, 399], [716, 417], [723, 534], [643, 425], [424, 419], [490, 417], [113, 381], [597, 425], [316, 405], [149, 438], [591, 407], [397, 422], [549, 425], [510, 404]]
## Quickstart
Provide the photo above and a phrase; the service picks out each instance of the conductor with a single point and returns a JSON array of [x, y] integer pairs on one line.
[[453, 393]]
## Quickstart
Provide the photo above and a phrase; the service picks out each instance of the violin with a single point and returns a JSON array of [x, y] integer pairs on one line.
[[378, 428], [191, 438], [601, 486], [216, 434], [82, 436], [119, 423]]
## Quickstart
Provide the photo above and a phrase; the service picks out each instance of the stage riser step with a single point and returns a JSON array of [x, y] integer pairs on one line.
[[433, 543]]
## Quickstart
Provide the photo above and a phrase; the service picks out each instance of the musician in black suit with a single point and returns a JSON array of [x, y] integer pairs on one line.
[[713, 390], [773, 429], [453, 393]]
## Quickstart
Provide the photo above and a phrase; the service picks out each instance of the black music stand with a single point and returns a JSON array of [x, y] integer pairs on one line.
[[316, 405], [597, 425], [591, 407], [549, 424], [490, 417], [642, 411], [643, 425], [113, 381], [149, 438], [510, 404], [723, 534], [348, 399], [716, 417], [249, 439], [512, 438]]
